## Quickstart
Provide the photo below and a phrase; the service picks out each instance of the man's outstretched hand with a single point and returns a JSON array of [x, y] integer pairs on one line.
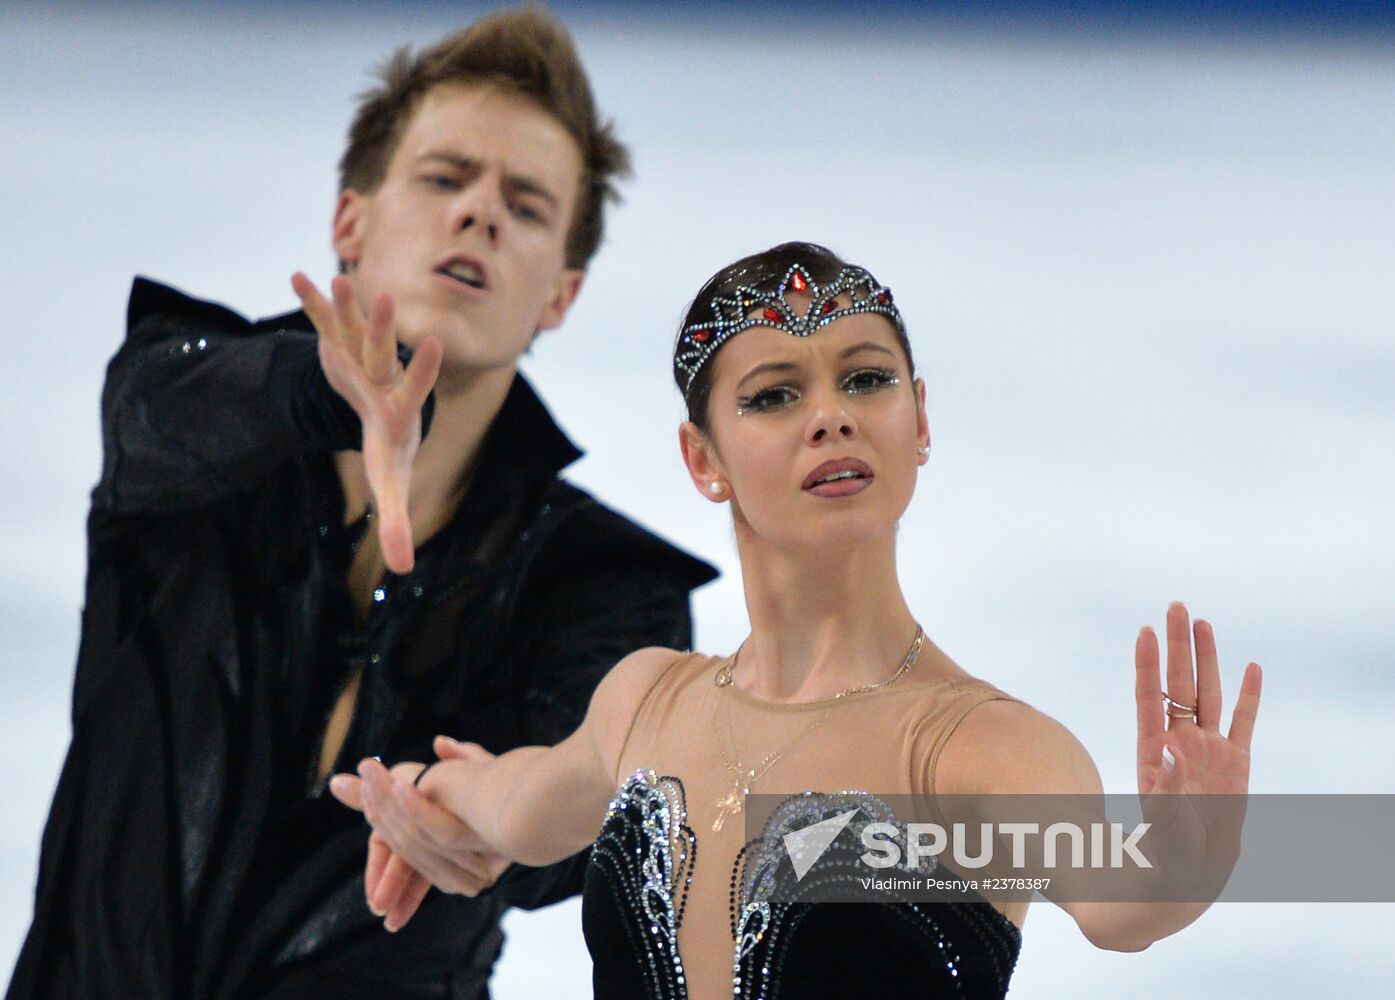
[[359, 356]]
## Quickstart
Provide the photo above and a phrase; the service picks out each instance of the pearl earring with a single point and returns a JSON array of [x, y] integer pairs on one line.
[[718, 487], [923, 450]]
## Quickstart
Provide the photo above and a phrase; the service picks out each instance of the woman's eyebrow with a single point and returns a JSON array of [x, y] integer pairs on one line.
[[866, 345], [769, 366]]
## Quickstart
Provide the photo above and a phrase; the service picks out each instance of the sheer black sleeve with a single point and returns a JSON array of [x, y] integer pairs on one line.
[[199, 404]]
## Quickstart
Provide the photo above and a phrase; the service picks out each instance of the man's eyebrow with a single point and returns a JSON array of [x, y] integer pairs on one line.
[[526, 185], [768, 367], [866, 345], [450, 159], [517, 182]]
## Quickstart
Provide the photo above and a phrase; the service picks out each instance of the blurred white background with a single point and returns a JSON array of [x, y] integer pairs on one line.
[[1148, 276]]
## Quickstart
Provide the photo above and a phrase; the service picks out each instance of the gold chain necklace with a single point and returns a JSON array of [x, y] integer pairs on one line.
[[742, 777]]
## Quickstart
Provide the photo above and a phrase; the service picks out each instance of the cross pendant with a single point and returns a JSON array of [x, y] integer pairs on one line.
[[728, 805]]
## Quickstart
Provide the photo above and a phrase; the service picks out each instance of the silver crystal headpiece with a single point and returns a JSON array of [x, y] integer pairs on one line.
[[731, 314]]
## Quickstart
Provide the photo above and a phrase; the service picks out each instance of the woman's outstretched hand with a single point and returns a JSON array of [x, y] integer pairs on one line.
[[1182, 753], [415, 843], [359, 356]]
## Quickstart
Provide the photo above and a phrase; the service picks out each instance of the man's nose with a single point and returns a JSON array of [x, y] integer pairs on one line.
[[480, 207]]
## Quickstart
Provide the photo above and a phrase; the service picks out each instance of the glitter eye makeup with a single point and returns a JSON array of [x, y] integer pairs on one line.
[[865, 380], [860, 382], [775, 398]]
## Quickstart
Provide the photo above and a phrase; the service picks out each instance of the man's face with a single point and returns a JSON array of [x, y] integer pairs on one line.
[[467, 232]]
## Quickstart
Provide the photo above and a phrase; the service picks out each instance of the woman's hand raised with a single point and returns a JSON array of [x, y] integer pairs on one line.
[[1182, 755]]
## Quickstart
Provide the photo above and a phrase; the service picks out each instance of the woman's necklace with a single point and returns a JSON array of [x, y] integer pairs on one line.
[[743, 777]]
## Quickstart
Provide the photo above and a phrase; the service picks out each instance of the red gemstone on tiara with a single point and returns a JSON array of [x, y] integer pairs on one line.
[[829, 306], [884, 297], [797, 282], [771, 314], [701, 336]]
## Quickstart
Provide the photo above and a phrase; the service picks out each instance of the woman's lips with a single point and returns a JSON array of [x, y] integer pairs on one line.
[[841, 487], [840, 477]]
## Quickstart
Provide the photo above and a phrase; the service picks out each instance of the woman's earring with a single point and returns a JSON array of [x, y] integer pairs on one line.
[[718, 488], [923, 450]]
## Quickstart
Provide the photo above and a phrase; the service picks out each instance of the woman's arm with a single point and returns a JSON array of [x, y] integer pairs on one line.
[[1006, 748], [533, 805]]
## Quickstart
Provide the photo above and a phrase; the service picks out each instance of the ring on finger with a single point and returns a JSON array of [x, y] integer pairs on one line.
[[1177, 710]]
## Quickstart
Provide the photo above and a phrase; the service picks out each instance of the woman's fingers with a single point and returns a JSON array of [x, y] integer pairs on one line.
[[348, 789], [397, 874], [1147, 690], [1208, 677], [1181, 677], [378, 855], [1242, 722], [410, 842], [406, 904]]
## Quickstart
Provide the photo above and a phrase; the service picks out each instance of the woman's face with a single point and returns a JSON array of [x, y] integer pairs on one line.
[[813, 438]]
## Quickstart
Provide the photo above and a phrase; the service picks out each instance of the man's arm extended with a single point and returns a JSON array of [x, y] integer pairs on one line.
[[199, 405]]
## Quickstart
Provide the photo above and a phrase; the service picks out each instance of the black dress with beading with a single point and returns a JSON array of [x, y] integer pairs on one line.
[[636, 889]]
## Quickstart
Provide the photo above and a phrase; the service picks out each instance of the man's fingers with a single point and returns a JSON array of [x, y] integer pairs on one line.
[[380, 362], [422, 372], [348, 317], [316, 306], [1242, 722], [421, 837], [451, 749], [440, 829], [395, 538]]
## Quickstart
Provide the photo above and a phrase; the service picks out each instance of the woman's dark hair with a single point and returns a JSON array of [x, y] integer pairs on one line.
[[761, 270]]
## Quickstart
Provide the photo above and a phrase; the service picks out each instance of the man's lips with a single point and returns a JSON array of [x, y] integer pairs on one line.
[[839, 478], [467, 272]]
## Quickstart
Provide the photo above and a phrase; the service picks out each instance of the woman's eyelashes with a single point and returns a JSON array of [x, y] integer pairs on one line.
[[858, 382], [774, 398], [865, 380]]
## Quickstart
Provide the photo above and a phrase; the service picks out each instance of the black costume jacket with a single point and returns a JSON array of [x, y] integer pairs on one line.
[[190, 853]]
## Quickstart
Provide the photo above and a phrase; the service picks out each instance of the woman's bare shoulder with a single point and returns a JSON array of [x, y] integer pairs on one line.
[[621, 693], [1005, 746], [625, 685]]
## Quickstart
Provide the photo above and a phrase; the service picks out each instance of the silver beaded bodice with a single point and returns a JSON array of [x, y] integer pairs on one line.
[[647, 853]]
